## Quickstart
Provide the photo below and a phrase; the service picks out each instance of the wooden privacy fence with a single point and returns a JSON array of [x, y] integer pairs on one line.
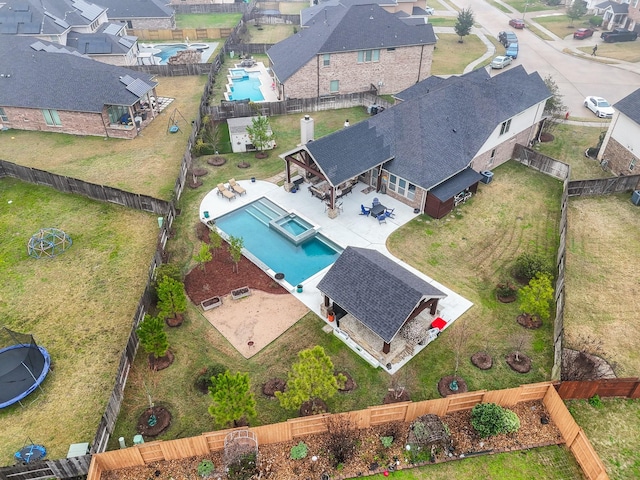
[[296, 428], [62, 468], [240, 7], [604, 186], [605, 387], [180, 34]]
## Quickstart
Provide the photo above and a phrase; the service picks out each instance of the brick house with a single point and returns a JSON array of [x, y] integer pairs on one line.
[[352, 49], [47, 87], [141, 14], [427, 150], [619, 14], [621, 145]]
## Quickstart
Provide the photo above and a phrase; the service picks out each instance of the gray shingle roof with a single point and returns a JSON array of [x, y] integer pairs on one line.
[[125, 9], [630, 106], [61, 81], [335, 33], [435, 133], [100, 42], [615, 6], [375, 289], [456, 184]]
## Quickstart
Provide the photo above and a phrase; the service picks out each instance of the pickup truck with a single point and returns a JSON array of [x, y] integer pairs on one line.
[[619, 35]]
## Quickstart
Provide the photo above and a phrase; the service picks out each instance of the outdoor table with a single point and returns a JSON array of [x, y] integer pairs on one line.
[[377, 210]]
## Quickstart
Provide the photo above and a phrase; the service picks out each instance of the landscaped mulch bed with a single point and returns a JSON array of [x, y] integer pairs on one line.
[[535, 430]]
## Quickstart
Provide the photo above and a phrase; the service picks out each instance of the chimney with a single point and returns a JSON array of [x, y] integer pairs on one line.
[[306, 130]]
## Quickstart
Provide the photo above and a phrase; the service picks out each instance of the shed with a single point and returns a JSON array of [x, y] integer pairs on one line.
[[240, 141]]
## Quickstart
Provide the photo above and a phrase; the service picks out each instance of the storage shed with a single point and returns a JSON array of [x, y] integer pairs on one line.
[[240, 141]]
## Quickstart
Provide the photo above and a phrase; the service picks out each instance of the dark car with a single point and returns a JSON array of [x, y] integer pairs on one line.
[[619, 35], [582, 33], [507, 38], [516, 23]]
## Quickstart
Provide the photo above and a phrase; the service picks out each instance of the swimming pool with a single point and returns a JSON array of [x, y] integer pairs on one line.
[[243, 85], [163, 51], [277, 251]]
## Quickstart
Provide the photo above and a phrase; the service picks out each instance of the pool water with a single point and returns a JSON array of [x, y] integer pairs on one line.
[[245, 85], [168, 51], [276, 251]]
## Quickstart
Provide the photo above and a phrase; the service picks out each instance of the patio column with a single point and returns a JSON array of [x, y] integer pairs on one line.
[[386, 348], [434, 307]]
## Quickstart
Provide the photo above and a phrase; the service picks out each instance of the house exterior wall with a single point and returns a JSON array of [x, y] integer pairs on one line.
[[148, 23], [395, 71], [503, 151], [74, 123], [119, 60], [620, 143]]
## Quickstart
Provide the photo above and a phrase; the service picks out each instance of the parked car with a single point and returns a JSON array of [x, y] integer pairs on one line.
[[581, 33], [507, 38], [501, 61], [512, 51], [516, 23], [619, 35], [430, 10], [599, 106]]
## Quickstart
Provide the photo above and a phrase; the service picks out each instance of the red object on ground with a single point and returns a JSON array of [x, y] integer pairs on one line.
[[386, 473], [566, 117], [439, 323]]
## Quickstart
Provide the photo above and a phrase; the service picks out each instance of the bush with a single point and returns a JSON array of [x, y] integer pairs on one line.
[[341, 442], [244, 468], [205, 468], [506, 289], [595, 401], [386, 441], [528, 265], [298, 452], [490, 419], [595, 21], [203, 380]]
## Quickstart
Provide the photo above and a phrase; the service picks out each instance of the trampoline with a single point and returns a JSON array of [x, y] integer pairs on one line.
[[23, 366]]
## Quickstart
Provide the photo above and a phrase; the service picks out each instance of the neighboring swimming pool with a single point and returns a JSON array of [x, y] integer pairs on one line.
[[243, 85], [295, 249], [162, 52]]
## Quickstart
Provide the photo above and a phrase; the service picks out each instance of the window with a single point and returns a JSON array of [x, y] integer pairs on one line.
[[334, 86], [504, 128], [129, 24], [402, 187], [366, 56], [51, 117], [116, 112], [3, 116], [326, 59], [632, 164], [492, 157]]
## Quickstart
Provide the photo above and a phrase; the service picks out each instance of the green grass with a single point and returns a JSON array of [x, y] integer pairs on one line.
[[530, 6], [442, 21], [561, 25], [207, 20], [451, 57], [78, 305], [614, 432], [270, 33], [569, 146], [625, 51], [547, 463]]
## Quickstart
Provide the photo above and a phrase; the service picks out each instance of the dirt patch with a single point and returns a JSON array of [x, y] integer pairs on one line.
[[216, 161], [518, 362], [349, 385], [161, 421], [161, 363], [584, 366], [482, 360], [445, 385], [313, 407], [394, 396], [531, 322], [272, 386]]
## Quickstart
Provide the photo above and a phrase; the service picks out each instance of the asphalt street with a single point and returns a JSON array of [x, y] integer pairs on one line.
[[576, 74]]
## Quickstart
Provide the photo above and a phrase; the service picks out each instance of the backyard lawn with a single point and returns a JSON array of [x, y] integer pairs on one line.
[[78, 305], [207, 20], [452, 57]]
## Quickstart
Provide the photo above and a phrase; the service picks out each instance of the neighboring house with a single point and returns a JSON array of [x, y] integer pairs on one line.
[[240, 141], [374, 298], [141, 14], [391, 6], [427, 150], [109, 44], [48, 87], [352, 49], [621, 146], [619, 14]]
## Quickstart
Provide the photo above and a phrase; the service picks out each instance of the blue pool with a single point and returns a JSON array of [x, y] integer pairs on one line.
[[276, 249], [165, 51], [245, 85]]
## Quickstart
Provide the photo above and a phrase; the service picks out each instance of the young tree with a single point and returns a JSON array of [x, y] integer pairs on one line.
[[232, 399], [458, 338], [536, 297], [464, 23], [260, 133], [215, 240], [554, 108], [310, 378], [576, 10], [152, 336], [235, 249], [203, 256], [172, 300]]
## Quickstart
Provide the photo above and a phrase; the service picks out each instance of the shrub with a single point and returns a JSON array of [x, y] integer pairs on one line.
[[244, 468], [506, 289], [386, 441], [298, 452], [528, 265], [203, 380], [205, 468], [595, 21], [595, 401], [341, 442], [490, 419]]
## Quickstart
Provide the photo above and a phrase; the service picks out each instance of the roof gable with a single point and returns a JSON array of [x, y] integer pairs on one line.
[[126, 9], [630, 106], [376, 290]]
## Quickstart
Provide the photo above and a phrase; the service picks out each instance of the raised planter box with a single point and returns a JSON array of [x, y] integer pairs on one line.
[[211, 303], [239, 293]]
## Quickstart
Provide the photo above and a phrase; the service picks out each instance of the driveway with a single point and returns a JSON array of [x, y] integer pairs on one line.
[[576, 77]]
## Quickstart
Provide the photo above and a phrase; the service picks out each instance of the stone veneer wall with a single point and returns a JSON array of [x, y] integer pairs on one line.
[[504, 152]]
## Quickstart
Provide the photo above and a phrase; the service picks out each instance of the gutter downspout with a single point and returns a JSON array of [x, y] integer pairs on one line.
[[420, 64]]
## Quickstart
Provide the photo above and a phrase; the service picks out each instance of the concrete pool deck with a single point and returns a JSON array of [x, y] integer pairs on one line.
[[147, 50], [267, 87], [349, 228]]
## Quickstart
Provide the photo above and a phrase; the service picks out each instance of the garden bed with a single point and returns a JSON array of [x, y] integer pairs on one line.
[[241, 292], [211, 303]]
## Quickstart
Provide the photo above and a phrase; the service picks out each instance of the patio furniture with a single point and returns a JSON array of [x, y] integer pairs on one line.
[[228, 194], [375, 202], [339, 207], [236, 188], [389, 212], [382, 218], [378, 209], [364, 210]]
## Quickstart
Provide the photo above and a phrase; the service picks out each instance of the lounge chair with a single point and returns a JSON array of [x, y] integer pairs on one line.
[[236, 188], [364, 210], [228, 194], [382, 218]]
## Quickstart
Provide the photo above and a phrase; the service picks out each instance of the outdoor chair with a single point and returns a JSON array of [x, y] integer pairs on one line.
[[339, 207], [389, 212], [375, 202], [382, 218], [364, 210], [236, 188], [228, 194]]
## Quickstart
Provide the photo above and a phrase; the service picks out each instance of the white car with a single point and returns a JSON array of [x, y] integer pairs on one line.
[[430, 10], [501, 61], [599, 106]]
